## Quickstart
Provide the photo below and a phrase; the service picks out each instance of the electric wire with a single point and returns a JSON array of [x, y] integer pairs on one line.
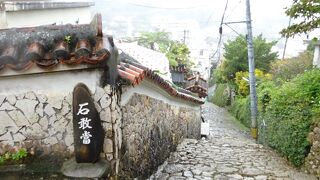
[[233, 29], [233, 9], [219, 42], [167, 8], [220, 34]]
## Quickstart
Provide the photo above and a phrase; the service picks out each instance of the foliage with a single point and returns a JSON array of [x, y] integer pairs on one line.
[[158, 40], [219, 74], [2, 160], [307, 12], [19, 155], [236, 55], [240, 109], [242, 83], [176, 52], [13, 156], [221, 95], [311, 46], [67, 39], [289, 113], [264, 92], [212, 80], [290, 68], [179, 53]]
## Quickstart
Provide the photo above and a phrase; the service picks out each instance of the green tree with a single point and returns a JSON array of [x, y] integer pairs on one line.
[[179, 53], [176, 52], [236, 56], [307, 12], [158, 40], [288, 69]]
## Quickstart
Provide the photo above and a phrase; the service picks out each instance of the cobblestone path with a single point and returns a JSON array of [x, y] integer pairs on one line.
[[227, 154]]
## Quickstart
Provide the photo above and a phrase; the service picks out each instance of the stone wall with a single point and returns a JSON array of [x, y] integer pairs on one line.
[[312, 161], [42, 123], [142, 124], [152, 129]]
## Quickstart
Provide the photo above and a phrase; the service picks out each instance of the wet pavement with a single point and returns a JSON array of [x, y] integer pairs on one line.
[[228, 153]]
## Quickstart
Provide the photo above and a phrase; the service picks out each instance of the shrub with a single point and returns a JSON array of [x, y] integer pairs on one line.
[[13, 157], [289, 114], [287, 69], [221, 95], [264, 92], [240, 109], [242, 78]]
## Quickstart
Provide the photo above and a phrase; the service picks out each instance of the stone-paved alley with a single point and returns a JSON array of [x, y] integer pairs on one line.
[[228, 153]]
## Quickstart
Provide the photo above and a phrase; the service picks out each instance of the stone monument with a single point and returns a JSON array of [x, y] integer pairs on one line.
[[88, 137]]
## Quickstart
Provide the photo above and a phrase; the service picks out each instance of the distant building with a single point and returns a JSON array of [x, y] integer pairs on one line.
[[201, 60], [27, 13], [197, 84], [316, 54], [178, 74]]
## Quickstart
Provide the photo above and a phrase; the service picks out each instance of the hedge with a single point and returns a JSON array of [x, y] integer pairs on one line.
[[289, 114], [221, 95]]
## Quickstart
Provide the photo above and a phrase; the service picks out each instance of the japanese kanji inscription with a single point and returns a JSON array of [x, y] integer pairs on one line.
[[88, 132]]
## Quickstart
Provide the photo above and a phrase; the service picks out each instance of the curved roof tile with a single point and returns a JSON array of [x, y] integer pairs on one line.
[[136, 73], [47, 46]]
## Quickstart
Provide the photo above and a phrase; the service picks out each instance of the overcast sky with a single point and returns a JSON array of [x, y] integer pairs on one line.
[[268, 18]]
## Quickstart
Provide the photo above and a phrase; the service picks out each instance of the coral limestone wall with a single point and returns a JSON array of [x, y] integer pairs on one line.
[[142, 124], [151, 130], [312, 161], [38, 122], [42, 123]]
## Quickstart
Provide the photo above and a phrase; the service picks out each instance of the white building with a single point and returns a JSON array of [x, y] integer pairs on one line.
[[27, 13], [201, 61]]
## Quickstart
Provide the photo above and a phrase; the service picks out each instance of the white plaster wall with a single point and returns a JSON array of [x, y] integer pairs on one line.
[[3, 20], [49, 16], [53, 83], [148, 88], [316, 56]]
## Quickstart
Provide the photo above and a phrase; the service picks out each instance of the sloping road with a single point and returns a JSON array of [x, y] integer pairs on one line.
[[228, 153]]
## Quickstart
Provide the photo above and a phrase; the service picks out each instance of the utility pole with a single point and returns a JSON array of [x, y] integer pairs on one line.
[[185, 32], [252, 78], [285, 44]]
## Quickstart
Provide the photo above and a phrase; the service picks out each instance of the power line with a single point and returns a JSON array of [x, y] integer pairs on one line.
[[148, 22], [220, 33], [222, 15], [233, 9], [167, 8], [233, 29]]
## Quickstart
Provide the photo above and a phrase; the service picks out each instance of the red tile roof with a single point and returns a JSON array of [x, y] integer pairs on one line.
[[136, 73], [47, 46], [197, 84], [202, 92]]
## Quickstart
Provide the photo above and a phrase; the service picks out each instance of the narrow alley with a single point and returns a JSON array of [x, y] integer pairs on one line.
[[228, 153]]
